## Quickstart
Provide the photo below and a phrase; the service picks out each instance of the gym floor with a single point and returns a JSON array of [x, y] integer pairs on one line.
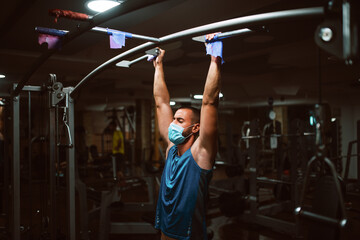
[[226, 228], [221, 227]]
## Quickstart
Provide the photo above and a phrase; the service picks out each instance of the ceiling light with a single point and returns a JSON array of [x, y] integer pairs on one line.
[[333, 119], [198, 96], [2, 76], [102, 5], [172, 103]]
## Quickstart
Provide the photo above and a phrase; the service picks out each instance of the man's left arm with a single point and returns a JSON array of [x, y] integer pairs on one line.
[[205, 148]]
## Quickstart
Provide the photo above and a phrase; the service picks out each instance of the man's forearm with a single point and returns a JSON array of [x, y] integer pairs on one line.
[[161, 93], [212, 85]]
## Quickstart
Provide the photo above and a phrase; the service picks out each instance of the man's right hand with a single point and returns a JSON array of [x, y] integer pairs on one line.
[[159, 59]]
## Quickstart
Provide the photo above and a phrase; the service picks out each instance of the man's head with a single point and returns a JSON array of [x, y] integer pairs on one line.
[[112, 126], [194, 113], [187, 118]]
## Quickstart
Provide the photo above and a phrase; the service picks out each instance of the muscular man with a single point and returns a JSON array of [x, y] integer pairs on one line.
[[190, 156]]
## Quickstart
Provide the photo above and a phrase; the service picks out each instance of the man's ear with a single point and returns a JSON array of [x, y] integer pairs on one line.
[[197, 127]]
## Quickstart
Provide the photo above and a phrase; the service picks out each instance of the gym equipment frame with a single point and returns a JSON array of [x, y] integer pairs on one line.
[[57, 96]]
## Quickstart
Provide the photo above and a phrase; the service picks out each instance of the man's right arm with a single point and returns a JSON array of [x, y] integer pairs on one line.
[[162, 99]]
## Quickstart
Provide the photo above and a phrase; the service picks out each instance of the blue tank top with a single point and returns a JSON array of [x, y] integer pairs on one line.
[[181, 206]]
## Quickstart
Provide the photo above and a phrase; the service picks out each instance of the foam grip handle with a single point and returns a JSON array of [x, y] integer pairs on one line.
[[51, 31], [69, 14], [153, 52]]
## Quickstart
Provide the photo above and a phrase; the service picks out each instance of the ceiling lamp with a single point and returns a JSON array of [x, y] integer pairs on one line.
[[102, 5], [197, 96], [2, 76]]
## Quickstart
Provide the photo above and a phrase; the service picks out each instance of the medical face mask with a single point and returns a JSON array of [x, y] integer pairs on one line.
[[175, 133]]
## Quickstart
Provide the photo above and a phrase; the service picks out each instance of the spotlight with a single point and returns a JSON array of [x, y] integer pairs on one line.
[[102, 5], [198, 96]]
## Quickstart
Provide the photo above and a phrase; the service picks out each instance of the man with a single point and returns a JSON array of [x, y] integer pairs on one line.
[[118, 149], [190, 156]]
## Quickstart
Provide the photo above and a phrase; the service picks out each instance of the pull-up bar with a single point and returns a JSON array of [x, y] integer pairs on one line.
[[224, 35], [150, 53], [127, 35], [242, 22], [127, 64], [126, 7], [62, 33]]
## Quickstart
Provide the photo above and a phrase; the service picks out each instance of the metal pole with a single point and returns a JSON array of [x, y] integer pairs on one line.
[[29, 161], [253, 154], [52, 170], [71, 169], [6, 166], [15, 179], [126, 7], [131, 35], [241, 22]]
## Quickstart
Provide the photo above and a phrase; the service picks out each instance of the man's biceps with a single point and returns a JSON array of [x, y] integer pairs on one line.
[[164, 107], [208, 139]]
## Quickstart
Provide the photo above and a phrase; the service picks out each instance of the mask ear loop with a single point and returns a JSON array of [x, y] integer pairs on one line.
[[191, 133]]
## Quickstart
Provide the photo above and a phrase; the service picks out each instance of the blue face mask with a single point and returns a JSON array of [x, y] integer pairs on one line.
[[175, 133]]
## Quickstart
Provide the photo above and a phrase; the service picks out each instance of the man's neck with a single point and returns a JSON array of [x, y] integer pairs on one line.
[[182, 148]]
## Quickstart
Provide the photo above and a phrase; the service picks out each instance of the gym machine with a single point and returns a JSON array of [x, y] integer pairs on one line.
[[327, 210], [264, 215], [57, 98], [109, 200], [258, 189]]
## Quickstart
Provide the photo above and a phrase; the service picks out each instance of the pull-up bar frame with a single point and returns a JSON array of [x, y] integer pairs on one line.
[[241, 22]]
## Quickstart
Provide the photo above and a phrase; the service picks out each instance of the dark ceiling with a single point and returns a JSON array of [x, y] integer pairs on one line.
[[283, 63]]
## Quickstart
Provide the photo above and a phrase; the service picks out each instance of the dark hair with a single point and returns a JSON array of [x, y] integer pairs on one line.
[[196, 113]]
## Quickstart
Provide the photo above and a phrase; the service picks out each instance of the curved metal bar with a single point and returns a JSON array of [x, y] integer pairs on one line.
[[337, 186], [258, 19], [124, 8], [322, 218]]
